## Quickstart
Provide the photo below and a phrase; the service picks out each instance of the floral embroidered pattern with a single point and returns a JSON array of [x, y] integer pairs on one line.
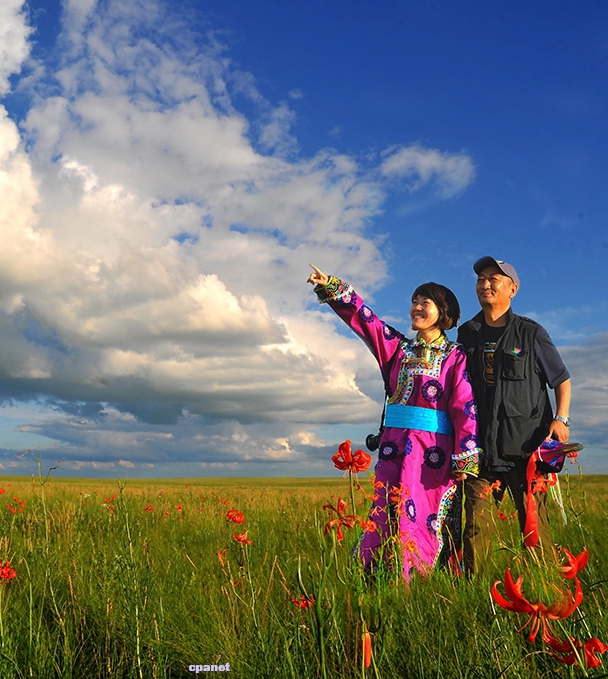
[[445, 505], [467, 461], [431, 391], [412, 365], [470, 409], [408, 446], [366, 314], [466, 464], [434, 457], [389, 332], [349, 299], [410, 510], [388, 450], [336, 290], [469, 444]]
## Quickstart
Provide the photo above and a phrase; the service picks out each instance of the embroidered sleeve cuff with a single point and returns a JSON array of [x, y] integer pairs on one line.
[[467, 463], [334, 291]]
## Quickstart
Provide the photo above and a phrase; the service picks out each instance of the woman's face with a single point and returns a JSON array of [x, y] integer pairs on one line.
[[424, 314]]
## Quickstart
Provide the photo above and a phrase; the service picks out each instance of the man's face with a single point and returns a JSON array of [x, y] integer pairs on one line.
[[494, 289]]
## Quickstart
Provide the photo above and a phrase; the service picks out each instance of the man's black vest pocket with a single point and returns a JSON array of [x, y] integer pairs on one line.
[[514, 366]]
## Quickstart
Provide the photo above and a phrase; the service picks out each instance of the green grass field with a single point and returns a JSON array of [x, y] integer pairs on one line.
[[124, 580]]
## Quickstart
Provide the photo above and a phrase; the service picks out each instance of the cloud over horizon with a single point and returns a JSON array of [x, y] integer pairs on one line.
[[156, 241], [155, 250]]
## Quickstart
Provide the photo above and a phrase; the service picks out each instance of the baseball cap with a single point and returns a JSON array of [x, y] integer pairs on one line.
[[505, 268]]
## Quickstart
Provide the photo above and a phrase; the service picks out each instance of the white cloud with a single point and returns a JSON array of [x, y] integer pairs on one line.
[[452, 172], [275, 134], [570, 325], [130, 444], [588, 366], [14, 46], [155, 250]]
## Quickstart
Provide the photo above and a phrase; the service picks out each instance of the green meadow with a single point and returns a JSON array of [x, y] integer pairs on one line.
[[145, 579]]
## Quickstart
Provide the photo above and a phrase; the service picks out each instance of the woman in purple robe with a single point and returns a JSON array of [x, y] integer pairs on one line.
[[428, 442]]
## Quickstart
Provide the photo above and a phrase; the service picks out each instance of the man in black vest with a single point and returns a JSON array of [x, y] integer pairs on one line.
[[511, 362]]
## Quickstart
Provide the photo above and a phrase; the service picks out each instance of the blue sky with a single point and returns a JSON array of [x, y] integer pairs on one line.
[[169, 169]]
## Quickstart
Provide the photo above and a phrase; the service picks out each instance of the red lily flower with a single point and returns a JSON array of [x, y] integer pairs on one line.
[[367, 649], [346, 520], [346, 460], [6, 572], [235, 516], [518, 603], [489, 490], [368, 526], [398, 493], [304, 601], [540, 485], [540, 614], [242, 538], [575, 563], [221, 556], [589, 648]]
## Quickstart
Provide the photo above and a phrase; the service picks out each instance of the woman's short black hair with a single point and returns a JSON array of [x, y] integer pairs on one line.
[[445, 299]]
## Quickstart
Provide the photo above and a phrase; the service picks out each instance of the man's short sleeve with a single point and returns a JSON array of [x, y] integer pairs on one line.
[[549, 359]]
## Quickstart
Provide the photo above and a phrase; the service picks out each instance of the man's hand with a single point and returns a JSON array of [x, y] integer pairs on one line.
[[317, 277], [559, 431]]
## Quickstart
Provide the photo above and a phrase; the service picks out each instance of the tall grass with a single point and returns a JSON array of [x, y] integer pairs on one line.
[[106, 588]]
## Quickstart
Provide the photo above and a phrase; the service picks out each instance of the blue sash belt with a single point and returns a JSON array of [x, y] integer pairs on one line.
[[414, 417]]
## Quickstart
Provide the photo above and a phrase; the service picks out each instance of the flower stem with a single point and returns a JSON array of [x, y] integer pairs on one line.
[[352, 490]]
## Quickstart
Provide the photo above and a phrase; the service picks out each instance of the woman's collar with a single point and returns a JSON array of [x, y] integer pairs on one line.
[[438, 341]]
